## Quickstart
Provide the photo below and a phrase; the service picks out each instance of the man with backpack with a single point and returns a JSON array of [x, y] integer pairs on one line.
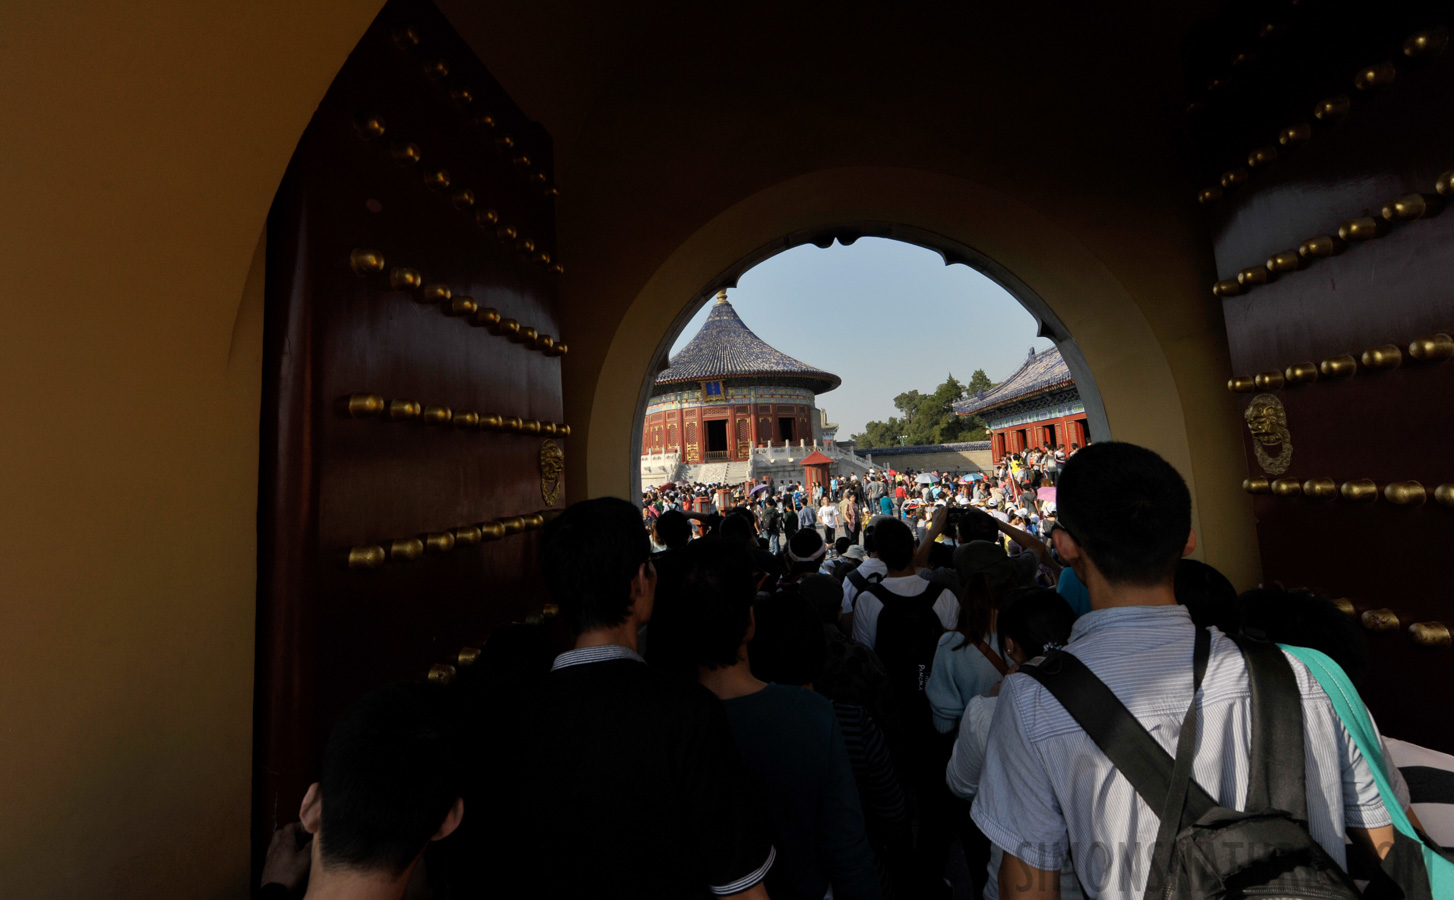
[[902, 618], [772, 525], [1108, 751]]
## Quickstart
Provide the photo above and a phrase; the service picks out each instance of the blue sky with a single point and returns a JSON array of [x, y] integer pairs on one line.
[[884, 316]]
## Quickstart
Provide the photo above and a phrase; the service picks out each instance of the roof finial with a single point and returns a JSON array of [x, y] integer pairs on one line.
[[722, 296]]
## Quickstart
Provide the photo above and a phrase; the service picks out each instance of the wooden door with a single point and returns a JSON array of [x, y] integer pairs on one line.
[[1327, 167], [412, 431]]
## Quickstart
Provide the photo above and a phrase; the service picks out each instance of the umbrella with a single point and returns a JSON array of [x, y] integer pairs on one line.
[[757, 490], [1046, 493], [669, 486], [926, 478]]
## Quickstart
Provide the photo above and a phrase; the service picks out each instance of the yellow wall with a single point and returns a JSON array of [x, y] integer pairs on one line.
[[142, 145]]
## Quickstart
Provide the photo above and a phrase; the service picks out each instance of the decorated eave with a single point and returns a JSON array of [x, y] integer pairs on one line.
[[727, 349], [1041, 373]]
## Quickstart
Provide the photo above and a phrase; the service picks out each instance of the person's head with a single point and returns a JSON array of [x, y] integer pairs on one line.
[[805, 551], [673, 529], [597, 567], [788, 646], [1126, 512], [737, 528], [824, 594], [895, 543], [841, 545], [392, 782], [1303, 618], [985, 574], [941, 556], [1207, 595], [718, 588], [772, 501], [1032, 622]]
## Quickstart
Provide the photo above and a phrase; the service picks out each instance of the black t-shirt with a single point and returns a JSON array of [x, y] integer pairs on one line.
[[626, 782]]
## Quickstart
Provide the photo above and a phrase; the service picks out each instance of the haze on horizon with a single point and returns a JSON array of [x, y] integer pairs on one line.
[[885, 316]]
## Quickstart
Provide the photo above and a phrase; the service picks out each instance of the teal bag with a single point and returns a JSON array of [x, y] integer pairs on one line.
[[1349, 707]]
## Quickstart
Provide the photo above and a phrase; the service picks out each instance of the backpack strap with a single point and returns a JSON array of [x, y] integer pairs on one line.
[[995, 659], [1174, 805], [887, 596], [1276, 776], [1105, 719]]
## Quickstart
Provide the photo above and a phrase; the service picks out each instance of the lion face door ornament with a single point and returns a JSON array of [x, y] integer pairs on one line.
[[1272, 442]]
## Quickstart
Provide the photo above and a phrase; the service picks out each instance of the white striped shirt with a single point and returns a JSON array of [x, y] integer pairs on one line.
[[1047, 790]]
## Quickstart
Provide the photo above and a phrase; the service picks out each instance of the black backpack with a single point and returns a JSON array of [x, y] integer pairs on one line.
[[860, 581], [771, 521], [908, 634], [1205, 851]]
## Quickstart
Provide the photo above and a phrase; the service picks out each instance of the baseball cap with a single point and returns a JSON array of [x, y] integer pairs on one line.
[[993, 502]]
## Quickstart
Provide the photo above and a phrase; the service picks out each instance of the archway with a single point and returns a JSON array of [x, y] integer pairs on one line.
[[1116, 354], [1045, 323]]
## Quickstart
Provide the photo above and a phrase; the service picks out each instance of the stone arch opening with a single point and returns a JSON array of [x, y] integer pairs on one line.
[[952, 252]]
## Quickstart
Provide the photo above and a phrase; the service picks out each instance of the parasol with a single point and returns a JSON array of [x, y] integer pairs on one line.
[[1046, 493], [927, 478], [757, 489]]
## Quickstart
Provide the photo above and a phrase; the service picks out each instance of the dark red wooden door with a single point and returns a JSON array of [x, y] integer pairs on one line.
[[1326, 133], [412, 405]]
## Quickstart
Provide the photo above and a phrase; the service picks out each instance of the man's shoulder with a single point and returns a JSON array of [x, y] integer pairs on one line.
[[623, 682]]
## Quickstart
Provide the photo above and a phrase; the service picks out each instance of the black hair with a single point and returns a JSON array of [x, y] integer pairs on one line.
[[673, 528], [1304, 618], [895, 544], [804, 544], [870, 543], [717, 595], [841, 545], [1036, 619], [788, 646], [1128, 509], [589, 554], [977, 525], [941, 556], [1207, 595], [391, 772], [737, 528], [824, 594]]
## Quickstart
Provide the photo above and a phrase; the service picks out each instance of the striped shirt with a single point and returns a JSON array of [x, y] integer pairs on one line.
[[1047, 791], [1429, 775]]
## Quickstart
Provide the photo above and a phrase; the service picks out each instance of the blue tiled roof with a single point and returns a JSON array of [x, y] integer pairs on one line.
[[726, 348], [1041, 372]]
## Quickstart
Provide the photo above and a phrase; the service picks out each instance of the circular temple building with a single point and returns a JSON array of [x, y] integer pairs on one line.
[[728, 393]]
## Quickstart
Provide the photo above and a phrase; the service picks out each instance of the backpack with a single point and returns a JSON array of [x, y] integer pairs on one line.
[[772, 520], [862, 582], [1205, 851], [908, 634]]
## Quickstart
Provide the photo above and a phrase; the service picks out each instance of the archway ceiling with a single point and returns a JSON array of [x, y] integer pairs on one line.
[[1082, 73]]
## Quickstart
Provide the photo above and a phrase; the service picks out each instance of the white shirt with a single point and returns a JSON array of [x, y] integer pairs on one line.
[[1047, 792], [871, 566], [828, 515], [867, 607]]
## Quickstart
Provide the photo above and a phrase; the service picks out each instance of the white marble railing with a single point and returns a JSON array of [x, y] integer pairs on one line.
[[790, 452]]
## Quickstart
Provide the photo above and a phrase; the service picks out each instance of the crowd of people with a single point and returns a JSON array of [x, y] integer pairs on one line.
[[829, 709]]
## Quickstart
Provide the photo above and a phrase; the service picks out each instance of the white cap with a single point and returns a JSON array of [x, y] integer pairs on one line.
[[994, 502]]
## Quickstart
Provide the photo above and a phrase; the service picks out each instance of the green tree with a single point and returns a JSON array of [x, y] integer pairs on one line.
[[928, 418]]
